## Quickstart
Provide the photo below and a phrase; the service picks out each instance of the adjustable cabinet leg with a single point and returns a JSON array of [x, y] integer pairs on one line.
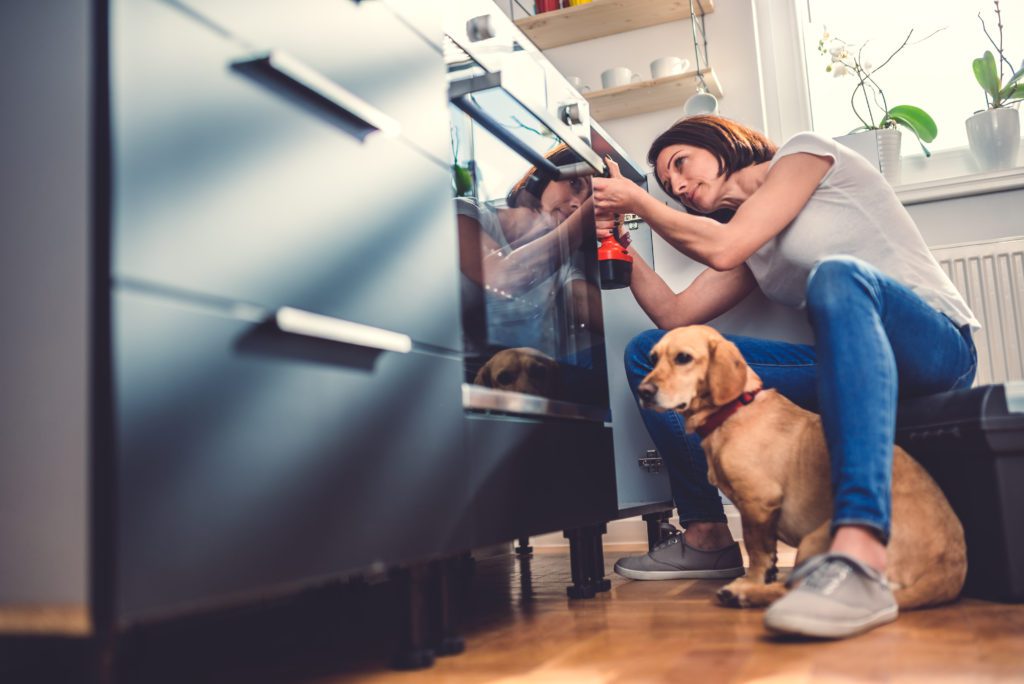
[[448, 605], [597, 558], [524, 548], [658, 527], [413, 651]]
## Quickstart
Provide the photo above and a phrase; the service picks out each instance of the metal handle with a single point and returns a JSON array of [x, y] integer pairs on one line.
[[299, 322], [311, 82]]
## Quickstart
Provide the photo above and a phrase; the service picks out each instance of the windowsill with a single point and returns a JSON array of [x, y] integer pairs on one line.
[[951, 174], [960, 186]]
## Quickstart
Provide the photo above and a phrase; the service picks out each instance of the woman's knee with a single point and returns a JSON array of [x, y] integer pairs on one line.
[[637, 356], [835, 277]]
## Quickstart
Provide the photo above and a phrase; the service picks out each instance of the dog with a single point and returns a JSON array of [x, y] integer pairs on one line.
[[520, 369], [771, 460]]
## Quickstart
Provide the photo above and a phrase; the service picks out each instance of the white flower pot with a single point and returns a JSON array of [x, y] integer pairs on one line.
[[994, 137], [880, 147]]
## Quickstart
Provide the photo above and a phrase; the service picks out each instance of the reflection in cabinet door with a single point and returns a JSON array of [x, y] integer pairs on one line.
[[226, 187], [250, 459]]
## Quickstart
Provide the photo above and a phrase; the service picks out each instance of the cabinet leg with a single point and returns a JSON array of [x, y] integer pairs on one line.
[[658, 527], [413, 651], [586, 559], [524, 548], [447, 607]]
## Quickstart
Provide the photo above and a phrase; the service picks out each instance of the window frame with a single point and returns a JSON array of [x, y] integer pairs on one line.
[[787, 111]]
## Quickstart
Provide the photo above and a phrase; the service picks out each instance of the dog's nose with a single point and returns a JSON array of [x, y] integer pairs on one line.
[[646, 391]]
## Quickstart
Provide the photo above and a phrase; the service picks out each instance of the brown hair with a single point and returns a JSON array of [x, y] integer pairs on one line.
[[734, 145], [527, 190]]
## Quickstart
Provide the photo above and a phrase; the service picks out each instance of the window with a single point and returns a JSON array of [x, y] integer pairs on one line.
[[933, 73]]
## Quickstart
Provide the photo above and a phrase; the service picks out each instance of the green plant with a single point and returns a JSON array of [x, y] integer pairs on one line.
[[868, 100], [997, 93]]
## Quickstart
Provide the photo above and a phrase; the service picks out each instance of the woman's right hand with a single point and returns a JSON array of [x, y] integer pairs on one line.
[[605, 224]]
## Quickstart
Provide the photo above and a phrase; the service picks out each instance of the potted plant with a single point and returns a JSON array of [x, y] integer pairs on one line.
[[878, 137], [994, 132]]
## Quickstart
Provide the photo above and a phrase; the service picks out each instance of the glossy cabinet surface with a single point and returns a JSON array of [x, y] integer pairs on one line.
[[250, 459], [231, 185]]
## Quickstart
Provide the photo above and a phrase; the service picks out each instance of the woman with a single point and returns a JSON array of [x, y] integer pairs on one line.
[[815, 227]]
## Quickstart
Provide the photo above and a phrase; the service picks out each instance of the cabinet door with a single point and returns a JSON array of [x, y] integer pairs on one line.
[[363, 46], [228, 185], [251, 461]]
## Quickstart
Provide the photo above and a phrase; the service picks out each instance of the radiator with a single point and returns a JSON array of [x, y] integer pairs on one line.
[[990, 276]]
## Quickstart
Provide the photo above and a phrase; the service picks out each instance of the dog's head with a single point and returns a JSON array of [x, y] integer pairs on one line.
[[520, 369], [695, 368]]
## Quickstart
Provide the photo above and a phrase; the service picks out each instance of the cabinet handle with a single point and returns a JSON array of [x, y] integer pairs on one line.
[[311, 82], [299, 322]]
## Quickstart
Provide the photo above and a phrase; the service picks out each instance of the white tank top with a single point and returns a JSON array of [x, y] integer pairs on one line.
[[854, 212]]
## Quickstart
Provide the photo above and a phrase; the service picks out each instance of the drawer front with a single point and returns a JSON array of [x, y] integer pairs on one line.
[[250, 460], [226, 186], [535, 476], [363, 46]]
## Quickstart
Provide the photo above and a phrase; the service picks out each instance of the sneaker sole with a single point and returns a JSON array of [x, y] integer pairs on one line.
[[727, 573], [802, 625]]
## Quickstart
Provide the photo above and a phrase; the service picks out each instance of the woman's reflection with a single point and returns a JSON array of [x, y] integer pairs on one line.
[[525, 281]]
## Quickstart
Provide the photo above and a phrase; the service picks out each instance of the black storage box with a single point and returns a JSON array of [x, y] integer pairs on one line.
[[973, 445]]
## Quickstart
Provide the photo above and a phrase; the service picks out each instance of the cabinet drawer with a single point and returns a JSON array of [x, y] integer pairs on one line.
[[249, 460], [362, 46], [227, 186]]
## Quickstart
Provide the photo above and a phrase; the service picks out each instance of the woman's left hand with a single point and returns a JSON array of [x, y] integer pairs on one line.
[[615, 195]]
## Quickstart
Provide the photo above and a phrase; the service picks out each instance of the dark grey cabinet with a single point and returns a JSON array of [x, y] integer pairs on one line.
[[229, 183], [250, 459]]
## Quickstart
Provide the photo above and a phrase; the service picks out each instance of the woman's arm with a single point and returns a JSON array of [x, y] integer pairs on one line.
[[521, 266], [710, 295], [723, 247]]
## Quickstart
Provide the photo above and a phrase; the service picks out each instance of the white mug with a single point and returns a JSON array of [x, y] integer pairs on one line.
[[577, 83], [701, 103], [618, 76], [668, 66]]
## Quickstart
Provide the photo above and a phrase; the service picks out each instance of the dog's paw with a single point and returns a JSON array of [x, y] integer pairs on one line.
[[727, 598], [744, 593]]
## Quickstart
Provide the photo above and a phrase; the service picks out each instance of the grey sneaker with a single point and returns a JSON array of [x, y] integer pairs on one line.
[[675, 559], [838, 597]]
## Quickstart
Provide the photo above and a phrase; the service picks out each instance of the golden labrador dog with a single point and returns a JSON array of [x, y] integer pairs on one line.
[[520, 369], [770, 459]]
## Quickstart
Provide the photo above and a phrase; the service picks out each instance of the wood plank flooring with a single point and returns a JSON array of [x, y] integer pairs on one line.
[[524, 629]]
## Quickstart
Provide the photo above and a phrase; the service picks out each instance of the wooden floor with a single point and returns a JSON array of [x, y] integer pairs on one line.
[[520, 627], [526, 630]]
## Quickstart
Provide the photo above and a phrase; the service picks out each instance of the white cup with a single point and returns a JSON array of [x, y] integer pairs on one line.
[[664, 67], [577, 83], [618, 76], [701, 103]]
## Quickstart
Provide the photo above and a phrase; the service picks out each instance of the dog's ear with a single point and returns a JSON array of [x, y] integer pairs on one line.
[[727, 373], [483, 376]]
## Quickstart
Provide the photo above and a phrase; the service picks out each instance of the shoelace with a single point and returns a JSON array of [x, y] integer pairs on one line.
[[673, 538], [826, 571]]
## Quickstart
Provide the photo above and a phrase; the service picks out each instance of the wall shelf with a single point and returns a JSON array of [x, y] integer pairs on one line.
[[649, 96], [605, 18]]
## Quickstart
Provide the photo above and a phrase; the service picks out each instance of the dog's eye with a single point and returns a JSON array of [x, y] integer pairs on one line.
[[682, 358], [654, 358], [506, 378]]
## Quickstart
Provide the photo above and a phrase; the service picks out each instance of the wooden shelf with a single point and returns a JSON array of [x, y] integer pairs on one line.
[[605, 18], [649, 96]]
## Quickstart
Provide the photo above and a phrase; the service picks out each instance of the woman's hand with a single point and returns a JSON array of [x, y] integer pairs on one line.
[[605, 224], [616, 195]]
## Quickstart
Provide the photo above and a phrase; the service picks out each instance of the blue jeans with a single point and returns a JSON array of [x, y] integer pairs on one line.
[[876, 342]]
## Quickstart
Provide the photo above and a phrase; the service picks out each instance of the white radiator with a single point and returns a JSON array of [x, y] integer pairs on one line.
[[990, 276]]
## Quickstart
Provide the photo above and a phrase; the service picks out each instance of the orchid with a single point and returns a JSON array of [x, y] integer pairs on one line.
[[997, 93], [868, 100]]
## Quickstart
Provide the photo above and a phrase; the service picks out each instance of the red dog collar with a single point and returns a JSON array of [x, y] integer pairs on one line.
[[720, 416]]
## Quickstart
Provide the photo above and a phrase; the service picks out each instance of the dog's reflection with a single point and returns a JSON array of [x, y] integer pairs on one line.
[[520, 369]]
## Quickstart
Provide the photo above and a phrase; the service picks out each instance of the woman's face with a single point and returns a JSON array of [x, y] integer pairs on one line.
[[690, 174], [561, 198]]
